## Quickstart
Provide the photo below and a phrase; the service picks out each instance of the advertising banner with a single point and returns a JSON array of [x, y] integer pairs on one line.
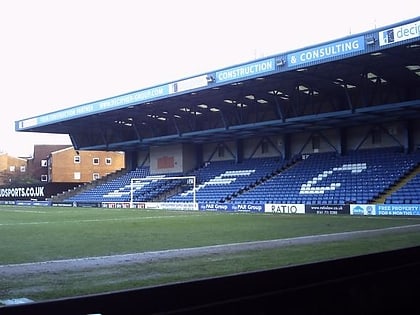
[[34, 192], [320, 53], [327, 209], [398, 209], [240, 207], [362, 209], [284, 208], [399, 33]]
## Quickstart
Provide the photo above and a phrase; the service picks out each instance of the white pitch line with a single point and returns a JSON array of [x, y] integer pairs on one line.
[[26, 211], [96, 220], [143, 257]]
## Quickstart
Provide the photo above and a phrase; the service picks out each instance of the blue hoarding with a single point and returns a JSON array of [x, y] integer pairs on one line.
[[320, 53]]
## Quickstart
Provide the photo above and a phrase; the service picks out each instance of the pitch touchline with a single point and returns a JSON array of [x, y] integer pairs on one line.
[[211, 249]]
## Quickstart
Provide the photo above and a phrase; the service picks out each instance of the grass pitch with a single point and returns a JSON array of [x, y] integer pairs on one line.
[[39, 234]]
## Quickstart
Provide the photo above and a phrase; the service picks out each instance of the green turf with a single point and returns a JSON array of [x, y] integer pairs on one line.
[[30, 234], [39, 234]]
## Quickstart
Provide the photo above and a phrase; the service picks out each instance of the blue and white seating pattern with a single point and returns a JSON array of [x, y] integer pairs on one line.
[[327, 178], [408, 194], [114, 190], [220, 181], [322, 178]]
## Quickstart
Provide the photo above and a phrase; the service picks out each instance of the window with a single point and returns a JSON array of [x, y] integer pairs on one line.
[[44, 163], [76, 175], [77, 159], [12, 168], [44, 178], [23, 169], [96, 176], [108, 161], [95, 161]]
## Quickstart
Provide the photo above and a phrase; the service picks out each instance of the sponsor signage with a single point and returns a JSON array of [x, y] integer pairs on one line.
[[27, 203], [245, 207], [22, 192], [362, 209], [284, 208], [398, 209], [188, 84], [215, 206], [247, 70], [248, 207], [96, 107], [399, 33], [34, 192], [327, 209], [336, 49]]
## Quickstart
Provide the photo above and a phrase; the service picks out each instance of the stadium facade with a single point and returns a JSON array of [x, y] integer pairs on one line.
[[348, 95]]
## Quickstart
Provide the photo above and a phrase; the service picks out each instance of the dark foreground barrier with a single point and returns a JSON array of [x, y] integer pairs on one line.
[[381, 283]]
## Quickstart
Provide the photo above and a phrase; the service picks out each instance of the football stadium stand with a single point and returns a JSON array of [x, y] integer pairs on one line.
[[324, 178], [334, 123], [330, 124]]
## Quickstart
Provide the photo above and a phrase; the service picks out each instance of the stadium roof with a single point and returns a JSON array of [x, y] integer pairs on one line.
[[367, 78]]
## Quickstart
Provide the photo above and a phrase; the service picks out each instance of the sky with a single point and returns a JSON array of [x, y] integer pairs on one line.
[[58, 54]]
